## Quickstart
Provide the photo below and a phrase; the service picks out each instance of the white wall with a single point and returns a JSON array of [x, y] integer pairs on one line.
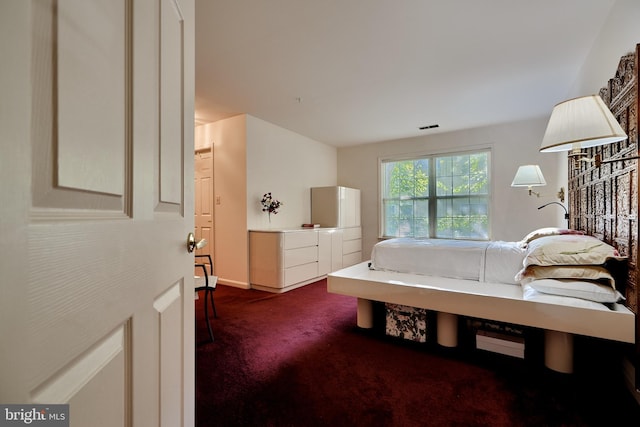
[[228, 138], [513, 212], [618, 36], [252, 157], [287, 165]]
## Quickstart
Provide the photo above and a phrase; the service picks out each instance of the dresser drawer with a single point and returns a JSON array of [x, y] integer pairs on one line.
[[350, 246], [300, 273], [293, 257], [351, 259], [300, 239], [352, 233]]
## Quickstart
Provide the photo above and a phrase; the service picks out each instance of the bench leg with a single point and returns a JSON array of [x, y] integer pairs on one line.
[[558, 351], [447, 329], [365, 313]]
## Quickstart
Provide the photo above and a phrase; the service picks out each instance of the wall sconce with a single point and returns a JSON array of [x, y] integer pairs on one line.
[[529, 176], [566, 212], [582, 123]]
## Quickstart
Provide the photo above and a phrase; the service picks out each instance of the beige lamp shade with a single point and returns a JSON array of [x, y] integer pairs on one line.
[[581, 123], [528, 176]]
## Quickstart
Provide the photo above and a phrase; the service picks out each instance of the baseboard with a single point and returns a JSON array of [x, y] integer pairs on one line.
[[629, 372], [234, 283], [287, 288]]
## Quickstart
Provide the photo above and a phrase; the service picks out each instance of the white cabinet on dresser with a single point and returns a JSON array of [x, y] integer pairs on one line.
[[280, 260], [339, 207], [335, 206]]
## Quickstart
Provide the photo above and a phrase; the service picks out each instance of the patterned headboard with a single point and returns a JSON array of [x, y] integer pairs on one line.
[[603, 201]]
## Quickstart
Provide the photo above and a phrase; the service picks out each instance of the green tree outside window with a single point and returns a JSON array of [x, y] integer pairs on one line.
[[437, 196]]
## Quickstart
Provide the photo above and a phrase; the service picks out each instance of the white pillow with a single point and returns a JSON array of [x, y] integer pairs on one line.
[[569, 249], [546, 231], [582, 289], [582, 272], [530, 294]]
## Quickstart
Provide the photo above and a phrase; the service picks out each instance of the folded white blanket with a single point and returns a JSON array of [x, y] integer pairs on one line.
[[496, 261]]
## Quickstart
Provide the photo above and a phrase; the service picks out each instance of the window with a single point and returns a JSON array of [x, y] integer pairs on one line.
[[444, 196]]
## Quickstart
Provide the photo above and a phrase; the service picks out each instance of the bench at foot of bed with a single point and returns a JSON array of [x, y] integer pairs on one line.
[[492, 301]]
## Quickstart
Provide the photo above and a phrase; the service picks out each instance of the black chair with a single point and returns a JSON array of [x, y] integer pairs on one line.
[[206, 283]]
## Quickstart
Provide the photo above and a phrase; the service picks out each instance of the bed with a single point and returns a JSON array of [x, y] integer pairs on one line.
[[547, 261], [559, 280]]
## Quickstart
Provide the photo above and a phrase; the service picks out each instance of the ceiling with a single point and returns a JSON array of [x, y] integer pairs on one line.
[[347, 72]]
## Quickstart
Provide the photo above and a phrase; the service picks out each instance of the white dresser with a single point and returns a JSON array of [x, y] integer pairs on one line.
[[284, 259], [280, 260]]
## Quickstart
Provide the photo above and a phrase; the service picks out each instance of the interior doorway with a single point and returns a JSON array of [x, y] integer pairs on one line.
[[203, 212]]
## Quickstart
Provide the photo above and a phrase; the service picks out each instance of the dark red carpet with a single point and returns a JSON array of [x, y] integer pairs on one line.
[[297, 359]]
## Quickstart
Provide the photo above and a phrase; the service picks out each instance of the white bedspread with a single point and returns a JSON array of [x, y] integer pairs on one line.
[[494, 262]]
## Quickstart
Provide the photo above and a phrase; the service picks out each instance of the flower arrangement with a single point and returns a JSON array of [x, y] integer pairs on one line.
[[270, 205]]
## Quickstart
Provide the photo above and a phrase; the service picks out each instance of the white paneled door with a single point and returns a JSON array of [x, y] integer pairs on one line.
[[203, 215], [96, 191]]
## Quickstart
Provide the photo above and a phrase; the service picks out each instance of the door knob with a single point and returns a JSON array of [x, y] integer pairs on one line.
[[193, 245]]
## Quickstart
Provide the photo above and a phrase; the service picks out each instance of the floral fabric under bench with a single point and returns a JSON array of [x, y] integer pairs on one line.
[[405, 322]]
